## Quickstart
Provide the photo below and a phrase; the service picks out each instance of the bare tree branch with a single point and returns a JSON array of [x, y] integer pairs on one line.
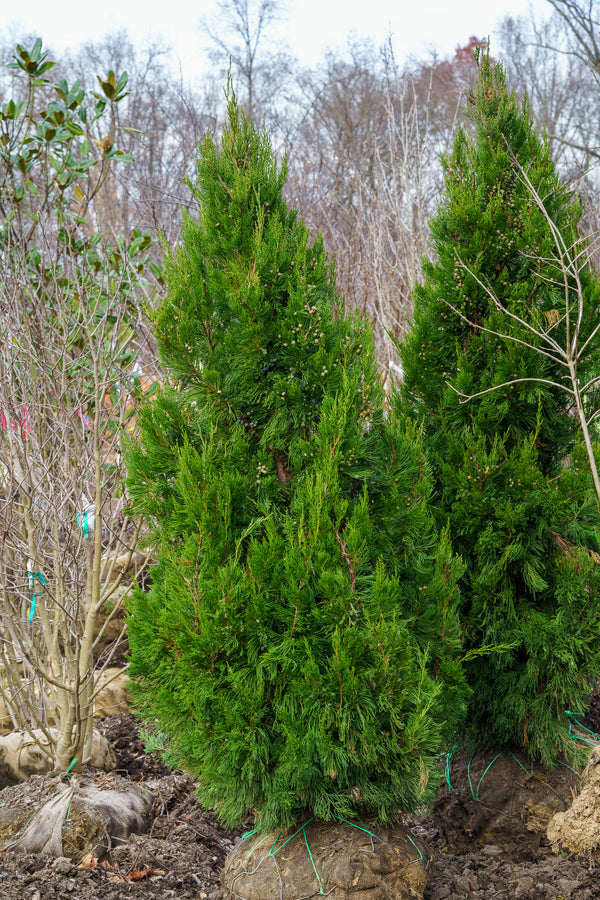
[[569, 264]]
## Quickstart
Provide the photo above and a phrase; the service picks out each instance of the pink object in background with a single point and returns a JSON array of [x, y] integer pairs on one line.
[[25, 423]]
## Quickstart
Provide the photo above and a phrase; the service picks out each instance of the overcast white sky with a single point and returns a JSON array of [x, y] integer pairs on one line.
[[312, 25]]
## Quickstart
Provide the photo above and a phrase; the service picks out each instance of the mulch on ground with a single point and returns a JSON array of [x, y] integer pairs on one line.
[[183, 855]]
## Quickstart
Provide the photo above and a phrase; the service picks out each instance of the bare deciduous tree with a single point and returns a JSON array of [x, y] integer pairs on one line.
[[582, 19], [559, 84], [241, 42], [365, 171]]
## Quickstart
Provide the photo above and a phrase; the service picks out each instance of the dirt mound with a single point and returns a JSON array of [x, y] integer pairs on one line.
[[123, 736], [502, 799]]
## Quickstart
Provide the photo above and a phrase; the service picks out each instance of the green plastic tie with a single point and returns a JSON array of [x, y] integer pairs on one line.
[[360, 828], [68, 814], [521, 764], [273, 852], [73, 761], [289, 839], [258, 843], [469, 777], [33, 575], [417, 848], [475, 795], [577, 737], [82, 521], [377, 838], [567, 766], [303, 829], [276, 839], [448, 758]]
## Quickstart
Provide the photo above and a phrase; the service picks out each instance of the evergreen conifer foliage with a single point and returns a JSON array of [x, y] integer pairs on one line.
[[511, 480], [298, 643]]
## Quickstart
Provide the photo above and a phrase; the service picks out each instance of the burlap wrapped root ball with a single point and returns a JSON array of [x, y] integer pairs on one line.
[[23, 754], [72, 816], [578, 828], [338, 859]]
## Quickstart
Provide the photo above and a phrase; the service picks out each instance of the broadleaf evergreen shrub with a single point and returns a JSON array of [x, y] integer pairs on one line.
[[71, 318], [511, 480], [298, 645]]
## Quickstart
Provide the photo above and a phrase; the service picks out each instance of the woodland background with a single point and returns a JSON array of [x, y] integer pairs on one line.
[[363, 134]]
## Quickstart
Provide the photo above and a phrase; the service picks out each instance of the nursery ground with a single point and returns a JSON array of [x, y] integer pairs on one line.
[[183, 855]]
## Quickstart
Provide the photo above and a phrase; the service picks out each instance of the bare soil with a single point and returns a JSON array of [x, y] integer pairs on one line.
[[183, 855]]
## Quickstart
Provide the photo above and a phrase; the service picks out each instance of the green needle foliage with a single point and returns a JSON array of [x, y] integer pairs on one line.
[[511, 480], [298, 643]]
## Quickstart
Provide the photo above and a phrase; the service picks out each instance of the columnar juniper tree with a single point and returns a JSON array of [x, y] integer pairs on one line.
[[511, 479], [298, 642]]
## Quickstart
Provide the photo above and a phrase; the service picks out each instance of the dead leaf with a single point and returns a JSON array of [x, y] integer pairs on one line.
[[89, 861], [140, 874], [570, 549], [552, 315]]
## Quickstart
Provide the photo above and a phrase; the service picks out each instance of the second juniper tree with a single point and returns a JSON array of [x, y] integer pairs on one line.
[[298, 643], [511, 480]]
